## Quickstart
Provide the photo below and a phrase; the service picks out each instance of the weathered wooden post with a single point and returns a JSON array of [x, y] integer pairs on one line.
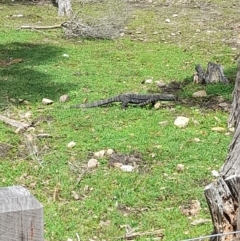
[[223, 196], [21, 215]]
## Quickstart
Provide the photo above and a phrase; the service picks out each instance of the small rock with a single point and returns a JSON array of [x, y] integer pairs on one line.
[[71, 144], [126, 168], [215, 173], [160, 84], [167, 20], [157, 105], [28, 114], [223, 104], [196, 139], [65, 55], [180, 168], [181, 121], [175, 15], [99, 154], [25, 102], [200, 93], [46, 101], [92, 163], [109, 152], [64, 98], [148, 81], [231, 129]]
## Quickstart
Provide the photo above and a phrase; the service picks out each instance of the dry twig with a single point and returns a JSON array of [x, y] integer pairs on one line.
[[41, 27]]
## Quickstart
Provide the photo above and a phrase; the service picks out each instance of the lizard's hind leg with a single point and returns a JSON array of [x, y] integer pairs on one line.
[[149, 101]]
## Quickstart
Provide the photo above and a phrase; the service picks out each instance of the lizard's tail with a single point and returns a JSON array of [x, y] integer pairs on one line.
[[96, 103]]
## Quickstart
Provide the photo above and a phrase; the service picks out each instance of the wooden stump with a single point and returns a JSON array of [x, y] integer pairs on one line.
[[21, 215], [223, 196], [214, 74]]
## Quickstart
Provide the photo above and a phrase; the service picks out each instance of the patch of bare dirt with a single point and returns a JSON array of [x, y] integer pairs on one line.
[[191, 22], [208, 103], [5, 149]]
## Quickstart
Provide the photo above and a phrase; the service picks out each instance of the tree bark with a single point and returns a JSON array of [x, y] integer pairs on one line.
[[214, 74], [64, 8], [223, 196]]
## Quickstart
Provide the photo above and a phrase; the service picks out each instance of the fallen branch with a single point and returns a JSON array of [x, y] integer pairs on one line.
[[18, 124], [41, 27]]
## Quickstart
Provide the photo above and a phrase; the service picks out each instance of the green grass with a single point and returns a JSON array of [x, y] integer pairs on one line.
[[98, 69]]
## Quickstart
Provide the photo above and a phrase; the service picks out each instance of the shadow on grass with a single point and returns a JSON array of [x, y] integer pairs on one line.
[[24, 80]]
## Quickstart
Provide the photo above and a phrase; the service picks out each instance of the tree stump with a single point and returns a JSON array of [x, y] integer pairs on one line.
[[21, 215], [64, 7], [214, 74], [223, 196]]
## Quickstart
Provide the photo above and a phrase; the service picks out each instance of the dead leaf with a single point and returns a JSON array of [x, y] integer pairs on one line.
[[105, 223], [218, 129], [33, 185], [75, 195], [200, 221]]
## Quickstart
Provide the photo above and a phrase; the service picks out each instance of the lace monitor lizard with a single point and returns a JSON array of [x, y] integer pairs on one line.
[[125, 99]]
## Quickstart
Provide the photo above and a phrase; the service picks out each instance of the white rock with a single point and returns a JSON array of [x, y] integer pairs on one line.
[[148, 81], [200, 93], [65, 55], [180, 167], [215, 173], [28, 114], [99, 154], [181, 121], [160, 84], [63, 98], [157, 105], [167, 20], [127, 168], [46, 101], [92, 163], [175, 15], [231, 129], [196, 139], [71, 144], [109, 152]]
